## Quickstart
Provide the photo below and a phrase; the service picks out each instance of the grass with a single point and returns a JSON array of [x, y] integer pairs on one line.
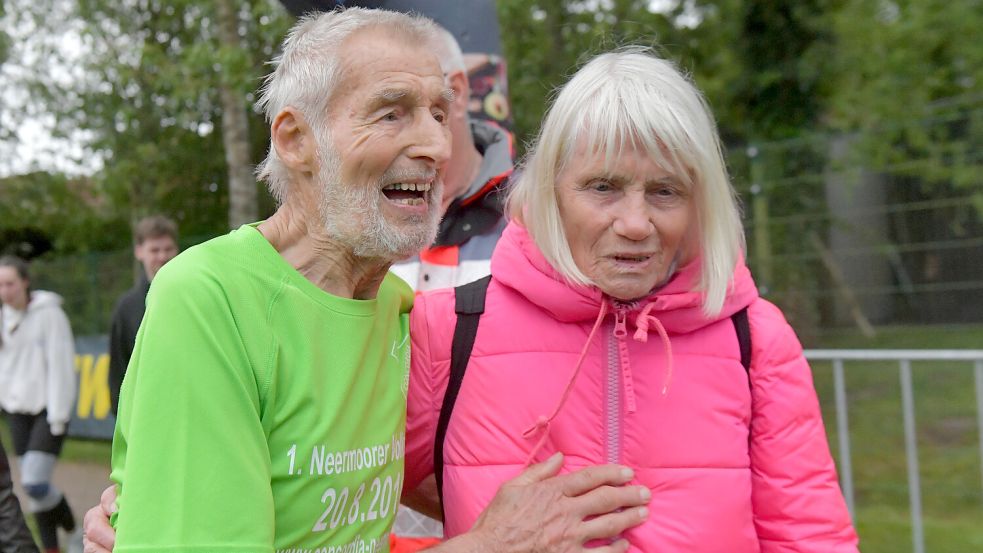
[[947, 439]]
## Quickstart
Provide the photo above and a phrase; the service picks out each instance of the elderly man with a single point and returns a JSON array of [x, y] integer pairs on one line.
[[265, 406]]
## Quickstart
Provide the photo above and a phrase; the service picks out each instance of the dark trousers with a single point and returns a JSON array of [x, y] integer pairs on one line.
[[31, 433]]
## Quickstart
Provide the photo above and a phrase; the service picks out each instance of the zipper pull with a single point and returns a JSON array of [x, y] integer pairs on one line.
[[620, 328]]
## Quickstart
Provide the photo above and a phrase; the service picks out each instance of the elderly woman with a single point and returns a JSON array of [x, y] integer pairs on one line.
[[610, 333]]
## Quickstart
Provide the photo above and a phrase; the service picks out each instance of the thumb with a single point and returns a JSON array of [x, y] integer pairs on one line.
[[541, 471]]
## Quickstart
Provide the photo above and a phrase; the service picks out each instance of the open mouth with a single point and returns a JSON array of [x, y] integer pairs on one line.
[[407, 193]]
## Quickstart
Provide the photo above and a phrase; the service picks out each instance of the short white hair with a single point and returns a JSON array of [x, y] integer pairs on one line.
[[631, 97], [307, 72], [448, 52]]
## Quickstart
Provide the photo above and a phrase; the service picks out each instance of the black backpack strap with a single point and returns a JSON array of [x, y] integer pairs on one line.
[[743, 330], [469, 304]]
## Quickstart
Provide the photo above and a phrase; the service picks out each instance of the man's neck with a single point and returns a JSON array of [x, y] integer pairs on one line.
[[330, 265]]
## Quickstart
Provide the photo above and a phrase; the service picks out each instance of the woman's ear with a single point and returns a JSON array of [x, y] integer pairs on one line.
[[294, 140]]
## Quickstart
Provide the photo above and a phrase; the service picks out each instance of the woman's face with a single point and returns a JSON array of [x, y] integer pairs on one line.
[[624, 224], [13, 289]]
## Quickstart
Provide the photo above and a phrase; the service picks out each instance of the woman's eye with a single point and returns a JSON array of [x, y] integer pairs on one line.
[[439, 116], [600, 186], [391, 116]]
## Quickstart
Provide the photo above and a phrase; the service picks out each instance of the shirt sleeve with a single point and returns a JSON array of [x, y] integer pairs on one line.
[[798, 505], [59, 351], [190, 455]]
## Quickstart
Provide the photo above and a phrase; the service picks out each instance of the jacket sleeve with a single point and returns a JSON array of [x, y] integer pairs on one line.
[[421, 403], [14, 535], [119, 356], [59, 352], [797, 502]]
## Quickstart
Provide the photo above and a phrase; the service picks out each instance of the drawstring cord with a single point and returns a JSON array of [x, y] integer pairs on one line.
[[543, 423], [641, 335], [642, 323]]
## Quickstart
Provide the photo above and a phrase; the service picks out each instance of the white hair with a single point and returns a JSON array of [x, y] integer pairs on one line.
[[307, 72], [632, 98], [448, 52]]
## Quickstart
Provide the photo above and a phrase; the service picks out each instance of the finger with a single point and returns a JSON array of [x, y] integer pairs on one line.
[[89, 547], [585, 480], [608, 499], [610, 525], [618, 546], [541, 471], [95, 526], [108, 501]]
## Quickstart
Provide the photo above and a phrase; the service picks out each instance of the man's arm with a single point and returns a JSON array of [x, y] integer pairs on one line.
[[536, 512]]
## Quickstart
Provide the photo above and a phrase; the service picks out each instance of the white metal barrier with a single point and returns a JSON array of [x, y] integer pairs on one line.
[[904, 359]]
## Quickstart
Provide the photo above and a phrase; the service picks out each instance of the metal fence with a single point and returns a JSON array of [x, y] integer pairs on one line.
[[971, 360], [878, 227]]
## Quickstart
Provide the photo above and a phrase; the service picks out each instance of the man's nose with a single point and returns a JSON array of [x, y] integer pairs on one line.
[[432, 141]]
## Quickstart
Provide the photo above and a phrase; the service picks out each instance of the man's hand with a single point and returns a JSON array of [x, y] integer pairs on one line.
[[539, 512], [97, 535]]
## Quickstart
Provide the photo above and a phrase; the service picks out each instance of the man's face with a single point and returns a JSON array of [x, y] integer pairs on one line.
[[388, 140], [154, 252]]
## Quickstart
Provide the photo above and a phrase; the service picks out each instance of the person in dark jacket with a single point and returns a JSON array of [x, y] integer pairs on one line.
[[14, 535], [156, 244]]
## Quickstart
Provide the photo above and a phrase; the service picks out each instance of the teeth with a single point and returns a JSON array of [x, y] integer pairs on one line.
[[408, 186], [409, 201]]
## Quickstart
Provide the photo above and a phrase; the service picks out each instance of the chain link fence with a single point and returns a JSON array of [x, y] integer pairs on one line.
[[881, 227]]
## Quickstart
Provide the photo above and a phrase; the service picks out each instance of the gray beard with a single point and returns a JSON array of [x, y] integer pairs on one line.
[[353, 216]]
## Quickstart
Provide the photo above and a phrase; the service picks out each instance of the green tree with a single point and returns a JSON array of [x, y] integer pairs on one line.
[[165, 103]]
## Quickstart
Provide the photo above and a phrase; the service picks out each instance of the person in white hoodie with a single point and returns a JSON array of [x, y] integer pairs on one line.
[[37, 391]]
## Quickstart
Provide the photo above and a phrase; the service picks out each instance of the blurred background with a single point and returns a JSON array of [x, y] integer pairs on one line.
[[853, 131]]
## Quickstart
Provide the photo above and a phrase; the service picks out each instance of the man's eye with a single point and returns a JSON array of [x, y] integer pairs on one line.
[[391, 116]]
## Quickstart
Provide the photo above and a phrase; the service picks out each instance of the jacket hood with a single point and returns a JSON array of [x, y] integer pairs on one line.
[[518, 264], [42, 299]]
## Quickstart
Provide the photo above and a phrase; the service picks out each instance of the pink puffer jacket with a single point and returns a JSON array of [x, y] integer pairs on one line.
[[661, 389]]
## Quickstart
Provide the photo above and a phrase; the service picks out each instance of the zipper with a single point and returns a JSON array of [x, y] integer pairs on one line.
[[613, 388]]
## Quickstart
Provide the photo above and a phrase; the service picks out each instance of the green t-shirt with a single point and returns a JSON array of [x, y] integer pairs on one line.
[[260, 413]]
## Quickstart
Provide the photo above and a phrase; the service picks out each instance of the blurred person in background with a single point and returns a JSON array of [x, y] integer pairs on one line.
[[37, 391], [15, 537], [477, 174], [621, 325], [155, 240], [472, 221]]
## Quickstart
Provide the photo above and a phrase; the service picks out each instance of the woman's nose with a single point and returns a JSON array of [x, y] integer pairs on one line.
[[634, 219]]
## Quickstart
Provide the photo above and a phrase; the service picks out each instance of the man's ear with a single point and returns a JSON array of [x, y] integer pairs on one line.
[[294, 141], [458, 81]]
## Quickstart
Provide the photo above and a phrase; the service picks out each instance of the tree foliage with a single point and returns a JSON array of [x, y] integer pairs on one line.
[[150, 103]]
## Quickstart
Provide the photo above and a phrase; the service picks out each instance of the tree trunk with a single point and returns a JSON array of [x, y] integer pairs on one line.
[[235, 126]]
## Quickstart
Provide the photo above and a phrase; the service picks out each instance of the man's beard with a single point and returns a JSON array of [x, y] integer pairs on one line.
[[353, 216]]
